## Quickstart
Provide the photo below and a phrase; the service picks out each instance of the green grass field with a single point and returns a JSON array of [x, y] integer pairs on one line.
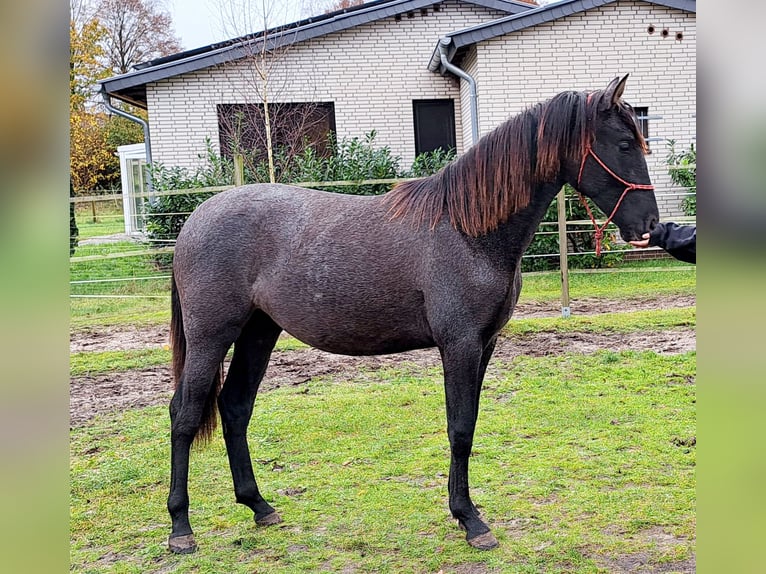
[[580, 463], [108, 218]]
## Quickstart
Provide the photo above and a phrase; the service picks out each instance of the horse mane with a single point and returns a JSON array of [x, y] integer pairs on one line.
[[495, 177]]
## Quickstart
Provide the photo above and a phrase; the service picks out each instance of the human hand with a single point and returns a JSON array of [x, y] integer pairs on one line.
[[641, 243]]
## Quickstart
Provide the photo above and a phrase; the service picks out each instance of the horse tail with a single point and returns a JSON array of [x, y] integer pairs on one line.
[[178, 346], [177, 337]]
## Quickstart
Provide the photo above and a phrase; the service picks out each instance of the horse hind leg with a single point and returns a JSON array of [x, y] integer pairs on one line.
[[252, 351], [188, 410]]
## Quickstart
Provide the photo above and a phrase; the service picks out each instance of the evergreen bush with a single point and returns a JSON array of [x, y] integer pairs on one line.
[[684, 176]]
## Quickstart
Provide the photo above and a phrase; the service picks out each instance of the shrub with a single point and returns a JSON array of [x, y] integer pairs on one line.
[[685, 177], [354, 159], [165, 215], [430, 162]]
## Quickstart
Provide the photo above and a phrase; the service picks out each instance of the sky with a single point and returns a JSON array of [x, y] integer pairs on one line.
[[196, 22], [199, 23]]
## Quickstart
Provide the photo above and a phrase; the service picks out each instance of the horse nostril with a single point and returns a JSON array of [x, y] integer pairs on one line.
[[652, 223]]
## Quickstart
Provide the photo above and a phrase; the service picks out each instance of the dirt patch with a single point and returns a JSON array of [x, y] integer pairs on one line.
[[662, 543], [594, 306], [92, 395], [97, 394], [124, 337]]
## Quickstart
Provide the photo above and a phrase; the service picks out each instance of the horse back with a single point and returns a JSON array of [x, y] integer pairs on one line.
[[332, 270]]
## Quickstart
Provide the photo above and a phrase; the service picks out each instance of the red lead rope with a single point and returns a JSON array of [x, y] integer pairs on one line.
[[628, 187]]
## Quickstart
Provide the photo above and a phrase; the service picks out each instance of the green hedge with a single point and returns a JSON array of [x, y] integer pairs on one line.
[[686, 176]]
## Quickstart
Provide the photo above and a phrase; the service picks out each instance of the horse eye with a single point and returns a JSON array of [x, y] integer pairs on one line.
[[624, 146]]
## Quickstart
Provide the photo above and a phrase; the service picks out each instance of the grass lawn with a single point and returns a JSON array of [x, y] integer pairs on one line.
[[109, 218], [137, 291], [633, 283], [581, 463]]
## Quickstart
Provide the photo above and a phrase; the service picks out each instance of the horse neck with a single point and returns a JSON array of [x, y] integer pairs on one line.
[[513, 236]]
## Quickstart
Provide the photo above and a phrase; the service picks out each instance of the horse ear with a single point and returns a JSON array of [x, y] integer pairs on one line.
[[614, 91]]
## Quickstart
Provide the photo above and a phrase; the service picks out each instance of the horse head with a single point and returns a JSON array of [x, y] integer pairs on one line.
[[612, 170]]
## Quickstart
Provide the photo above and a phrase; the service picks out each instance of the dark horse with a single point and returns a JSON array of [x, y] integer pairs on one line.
[[435, 262]]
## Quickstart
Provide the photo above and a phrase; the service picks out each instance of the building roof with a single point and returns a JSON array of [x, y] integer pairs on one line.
[[131, 87], [460, 40]]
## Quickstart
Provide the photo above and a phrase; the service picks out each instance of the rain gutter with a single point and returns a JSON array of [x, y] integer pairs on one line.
[[147, 140], [445, 64]]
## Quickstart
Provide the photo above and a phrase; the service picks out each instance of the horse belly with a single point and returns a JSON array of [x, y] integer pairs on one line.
[[360, 323]]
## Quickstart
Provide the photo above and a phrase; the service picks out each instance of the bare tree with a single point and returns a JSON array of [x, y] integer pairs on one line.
[[80, 12], [264, 37], [137, 31], [293, 128]]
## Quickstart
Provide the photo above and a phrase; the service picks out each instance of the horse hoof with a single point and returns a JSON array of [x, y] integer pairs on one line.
[[182, 544], [486, 541], [269, 519]]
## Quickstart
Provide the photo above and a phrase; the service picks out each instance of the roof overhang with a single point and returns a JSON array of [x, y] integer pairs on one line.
[[458, 42], [131, 87]]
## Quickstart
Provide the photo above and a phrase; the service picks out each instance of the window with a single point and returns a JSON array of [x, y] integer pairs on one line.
[[434, 125], [294, 127], [642, 115]]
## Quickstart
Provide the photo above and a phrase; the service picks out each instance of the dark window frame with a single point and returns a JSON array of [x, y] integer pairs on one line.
[[419, 110], [642, 116], [253, 130]]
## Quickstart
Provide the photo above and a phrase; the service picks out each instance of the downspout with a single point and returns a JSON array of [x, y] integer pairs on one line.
[[147, 141], [444, 43]]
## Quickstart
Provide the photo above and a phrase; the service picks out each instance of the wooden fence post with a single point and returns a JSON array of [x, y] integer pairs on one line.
[[563, 262], [239, 169]]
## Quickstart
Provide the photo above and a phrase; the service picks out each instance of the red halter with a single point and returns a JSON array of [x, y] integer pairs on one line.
[[628, 187]]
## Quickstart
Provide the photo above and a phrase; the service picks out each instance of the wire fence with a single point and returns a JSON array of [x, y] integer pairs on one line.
[[111, 264]]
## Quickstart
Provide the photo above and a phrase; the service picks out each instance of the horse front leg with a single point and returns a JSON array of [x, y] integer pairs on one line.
[[464, 367]]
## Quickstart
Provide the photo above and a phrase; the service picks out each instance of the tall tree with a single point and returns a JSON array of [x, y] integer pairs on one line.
[[136, 31], [92, 162], [85, 64], [89, 157], [108, 37]]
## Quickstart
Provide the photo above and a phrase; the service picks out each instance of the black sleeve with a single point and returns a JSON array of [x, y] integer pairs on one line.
[[678, 240]]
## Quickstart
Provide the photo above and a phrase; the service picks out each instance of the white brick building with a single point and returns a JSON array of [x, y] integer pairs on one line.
[[520, 60], [378, 67]]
